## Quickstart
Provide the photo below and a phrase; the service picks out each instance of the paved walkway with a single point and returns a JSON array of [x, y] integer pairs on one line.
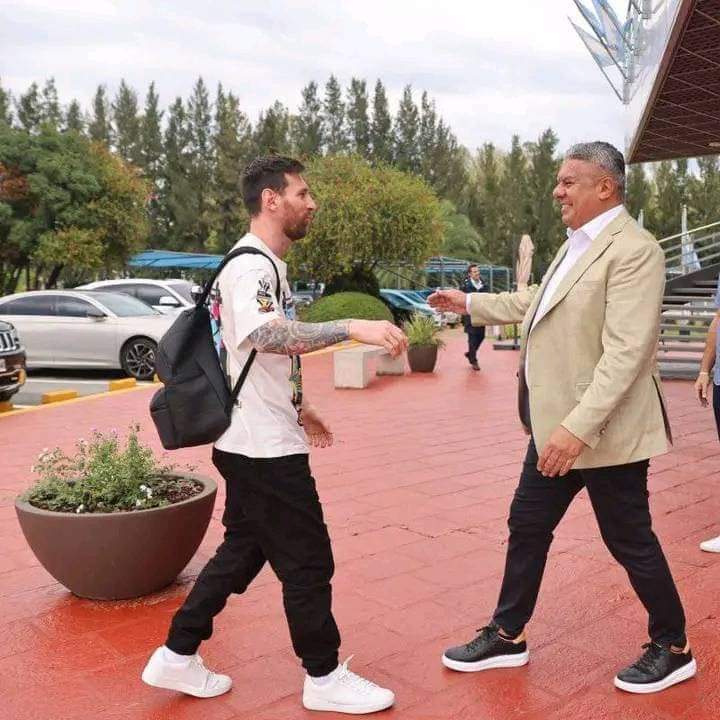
[[416, 493]]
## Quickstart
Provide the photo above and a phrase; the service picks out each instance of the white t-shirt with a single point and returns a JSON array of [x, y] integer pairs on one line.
[[266, 422]]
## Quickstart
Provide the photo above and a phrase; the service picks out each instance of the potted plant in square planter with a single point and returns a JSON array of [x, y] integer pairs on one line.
[[110, 521], [424, 341]]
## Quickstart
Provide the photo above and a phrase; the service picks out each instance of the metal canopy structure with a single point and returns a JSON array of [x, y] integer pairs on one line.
[[666, 63]]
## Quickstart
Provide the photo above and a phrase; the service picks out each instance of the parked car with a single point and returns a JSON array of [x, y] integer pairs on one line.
[[449, 318], [87, 329], [404, 303], [12, 361], [165, 296]]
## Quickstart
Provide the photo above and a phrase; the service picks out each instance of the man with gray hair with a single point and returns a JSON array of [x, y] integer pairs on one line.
[[590, 398]]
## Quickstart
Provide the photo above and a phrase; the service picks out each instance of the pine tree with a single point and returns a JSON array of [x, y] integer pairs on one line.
[[151, 144], [381, 139], [74, 121], [233, 145], [100, 128], [200, 127], [306, 126], [50, 106], [358, 119], [449, 166], [334, 122], [272, 132], [513, 201], [638, 192], [427, 138], [407, 126], [671, 181], [29, 109], [178, 202], [5, 106], [127, 124], [489, 170], [547, 230]]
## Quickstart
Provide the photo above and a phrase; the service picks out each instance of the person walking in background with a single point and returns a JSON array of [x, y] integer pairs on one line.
[[590, 397], [475, 335], [272, 510], [706, 378]]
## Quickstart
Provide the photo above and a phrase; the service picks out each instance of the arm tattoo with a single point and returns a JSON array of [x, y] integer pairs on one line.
[[289, 337]]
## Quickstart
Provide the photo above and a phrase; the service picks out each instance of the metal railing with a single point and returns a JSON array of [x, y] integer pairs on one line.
[[692, 250]]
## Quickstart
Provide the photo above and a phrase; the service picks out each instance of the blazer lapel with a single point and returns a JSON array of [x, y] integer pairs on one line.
[[596, 249]]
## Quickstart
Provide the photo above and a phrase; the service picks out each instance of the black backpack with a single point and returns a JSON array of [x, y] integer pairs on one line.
[[195, 405]]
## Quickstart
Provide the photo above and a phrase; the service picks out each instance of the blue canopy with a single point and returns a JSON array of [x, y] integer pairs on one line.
[[169, 259]]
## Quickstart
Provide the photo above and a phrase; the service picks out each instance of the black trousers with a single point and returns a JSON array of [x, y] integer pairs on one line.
[[476, 335], [273, 513], [619, 499]]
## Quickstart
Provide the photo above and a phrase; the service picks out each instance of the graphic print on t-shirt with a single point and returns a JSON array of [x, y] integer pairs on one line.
[[264, 297]]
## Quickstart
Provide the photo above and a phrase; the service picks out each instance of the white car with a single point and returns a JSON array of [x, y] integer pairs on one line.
[[166, 296], [86, 329]]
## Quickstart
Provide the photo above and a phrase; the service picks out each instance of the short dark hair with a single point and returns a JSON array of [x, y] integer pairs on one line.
[[471, 266], [267, 171]]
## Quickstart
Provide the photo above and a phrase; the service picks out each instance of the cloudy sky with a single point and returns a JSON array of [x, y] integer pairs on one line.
[[494, 67]]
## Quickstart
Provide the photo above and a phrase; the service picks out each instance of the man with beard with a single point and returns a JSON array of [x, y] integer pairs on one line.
[[272, 510]]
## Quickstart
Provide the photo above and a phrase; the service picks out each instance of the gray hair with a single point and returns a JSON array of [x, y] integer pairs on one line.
[[607, 156]]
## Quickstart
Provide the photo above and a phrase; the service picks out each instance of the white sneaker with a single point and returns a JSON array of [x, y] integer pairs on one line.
[[712, 545], [192, 678], [346, 693]]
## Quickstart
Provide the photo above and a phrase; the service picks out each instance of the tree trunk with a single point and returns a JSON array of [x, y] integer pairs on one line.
[[54, 275]]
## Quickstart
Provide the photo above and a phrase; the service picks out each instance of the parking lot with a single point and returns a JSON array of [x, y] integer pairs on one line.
[[84, 382]]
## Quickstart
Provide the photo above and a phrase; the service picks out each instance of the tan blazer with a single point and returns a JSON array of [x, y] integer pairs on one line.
[[593, 362]]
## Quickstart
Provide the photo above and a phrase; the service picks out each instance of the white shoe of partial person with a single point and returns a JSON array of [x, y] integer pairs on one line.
[[191, 678], [346, 692], [712, 545]]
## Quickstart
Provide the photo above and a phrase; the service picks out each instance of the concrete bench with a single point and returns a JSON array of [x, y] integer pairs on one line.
[[352, 366]]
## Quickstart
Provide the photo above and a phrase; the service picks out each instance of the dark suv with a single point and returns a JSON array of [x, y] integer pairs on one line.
[[12, 361]]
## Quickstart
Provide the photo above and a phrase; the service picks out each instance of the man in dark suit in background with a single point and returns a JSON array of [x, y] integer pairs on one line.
[[473, 283]]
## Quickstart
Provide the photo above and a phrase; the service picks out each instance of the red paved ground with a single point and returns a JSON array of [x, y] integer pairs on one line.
[[416, 494]]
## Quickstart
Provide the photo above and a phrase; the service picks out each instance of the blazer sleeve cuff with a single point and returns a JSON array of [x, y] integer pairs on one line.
[[582, 428]]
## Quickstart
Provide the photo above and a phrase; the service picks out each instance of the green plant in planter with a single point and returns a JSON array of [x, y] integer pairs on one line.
[[106, 476], [421, 330]]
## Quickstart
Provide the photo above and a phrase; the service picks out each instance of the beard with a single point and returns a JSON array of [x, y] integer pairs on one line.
[[297, 230]]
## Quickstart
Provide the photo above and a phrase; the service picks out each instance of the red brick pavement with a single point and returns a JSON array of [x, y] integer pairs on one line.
[[416, 493]]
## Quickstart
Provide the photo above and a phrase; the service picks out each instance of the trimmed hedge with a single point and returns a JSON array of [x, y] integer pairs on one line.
[[346, 305]]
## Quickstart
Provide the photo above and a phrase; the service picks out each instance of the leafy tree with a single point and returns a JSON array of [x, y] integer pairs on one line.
[[333, 117], [200, 153], [449, 163], [67, 207], [514, 218], [29, 109], [151, 143], [704, 192], [406, 133], [368, 216], [306, 131], [488, 166], [100, 128], [460, 239], [358, 119], [670, 195], [127, 124], [381, 139], [427, 138]]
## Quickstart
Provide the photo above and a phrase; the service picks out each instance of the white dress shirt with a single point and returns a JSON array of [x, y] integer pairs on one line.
[[578, 243]]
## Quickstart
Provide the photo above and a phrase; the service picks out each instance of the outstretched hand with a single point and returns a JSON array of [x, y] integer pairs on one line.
[[449, 301]]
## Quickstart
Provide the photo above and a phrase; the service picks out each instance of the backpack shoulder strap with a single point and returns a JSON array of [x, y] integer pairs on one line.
[[242, 250]]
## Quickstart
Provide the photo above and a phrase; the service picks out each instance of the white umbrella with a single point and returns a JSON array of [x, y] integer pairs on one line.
[[524, 262]]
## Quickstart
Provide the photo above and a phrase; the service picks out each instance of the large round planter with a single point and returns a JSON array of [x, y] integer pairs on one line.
[[115, 556], [422, 358]]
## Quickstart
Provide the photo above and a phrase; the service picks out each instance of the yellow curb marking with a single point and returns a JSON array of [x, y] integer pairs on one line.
[[58, 396], [123, 384]]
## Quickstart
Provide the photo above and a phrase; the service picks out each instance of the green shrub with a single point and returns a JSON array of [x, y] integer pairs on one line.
[[422, 330], [102, 476], [346, 305]]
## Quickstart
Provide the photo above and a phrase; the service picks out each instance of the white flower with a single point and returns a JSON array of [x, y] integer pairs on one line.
[[80, 508], [138, 502]]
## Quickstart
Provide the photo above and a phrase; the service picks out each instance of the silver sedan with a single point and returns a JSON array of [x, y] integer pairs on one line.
[[86, 329]]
